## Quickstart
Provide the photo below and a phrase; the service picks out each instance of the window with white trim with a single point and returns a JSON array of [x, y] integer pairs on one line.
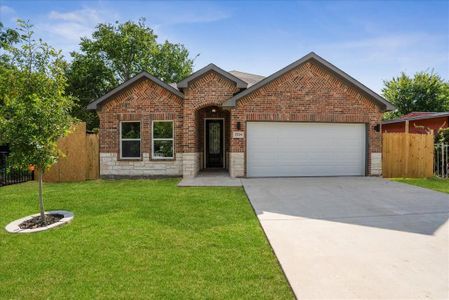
[[163, 140], [130, 140]]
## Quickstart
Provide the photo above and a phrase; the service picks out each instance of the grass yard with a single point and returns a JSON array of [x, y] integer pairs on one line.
[[138, 239], [440, 185]]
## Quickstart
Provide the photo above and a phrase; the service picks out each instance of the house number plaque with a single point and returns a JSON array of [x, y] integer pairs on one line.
[[238, 134]]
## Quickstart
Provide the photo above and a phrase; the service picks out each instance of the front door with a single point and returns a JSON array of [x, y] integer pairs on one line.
[[214, 144]]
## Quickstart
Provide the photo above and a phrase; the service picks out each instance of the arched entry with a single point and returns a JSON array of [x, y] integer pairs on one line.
[[213, 138]]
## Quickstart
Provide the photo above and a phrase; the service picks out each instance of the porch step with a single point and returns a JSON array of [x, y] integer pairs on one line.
[[208, 178]]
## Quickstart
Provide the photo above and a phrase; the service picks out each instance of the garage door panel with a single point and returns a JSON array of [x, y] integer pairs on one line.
[[305, 149]]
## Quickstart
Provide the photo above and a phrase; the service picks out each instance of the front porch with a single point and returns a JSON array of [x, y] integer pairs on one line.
[[208, 135], [211, 177]]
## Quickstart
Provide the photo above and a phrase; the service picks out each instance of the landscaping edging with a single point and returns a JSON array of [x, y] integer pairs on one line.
[[13, 227]]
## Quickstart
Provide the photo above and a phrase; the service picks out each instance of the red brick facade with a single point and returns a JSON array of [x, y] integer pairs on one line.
[[307, 93], [144, 101], [211, 89]]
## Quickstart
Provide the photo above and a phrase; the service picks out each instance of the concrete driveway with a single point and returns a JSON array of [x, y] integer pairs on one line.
[[361, 237]]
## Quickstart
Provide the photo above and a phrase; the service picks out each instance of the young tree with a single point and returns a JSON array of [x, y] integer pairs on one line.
[[423, 92], [36, 111], [114, 54]]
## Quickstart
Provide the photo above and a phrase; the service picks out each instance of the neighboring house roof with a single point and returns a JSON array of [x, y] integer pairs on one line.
[[211, 67], [417, 116], [380, 100], [249, 78], [94, 104]]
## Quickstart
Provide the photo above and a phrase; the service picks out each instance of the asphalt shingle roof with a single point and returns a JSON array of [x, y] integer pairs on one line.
[[249, 78]]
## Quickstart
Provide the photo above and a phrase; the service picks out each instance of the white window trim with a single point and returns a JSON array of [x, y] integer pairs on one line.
[[162, 139], [139, 139]]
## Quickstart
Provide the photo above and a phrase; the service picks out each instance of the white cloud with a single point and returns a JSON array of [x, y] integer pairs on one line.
[[65, 28], [405, 50], [190, 17], [6, 10], [70, 31], [86, 15], [177, 13]]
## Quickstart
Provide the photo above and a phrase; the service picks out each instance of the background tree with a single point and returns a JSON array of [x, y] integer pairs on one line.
[[114, 54], [424, 92], [8, 36], [35, 112]]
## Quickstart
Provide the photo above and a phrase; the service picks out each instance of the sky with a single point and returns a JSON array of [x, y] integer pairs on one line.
[[372, 41]]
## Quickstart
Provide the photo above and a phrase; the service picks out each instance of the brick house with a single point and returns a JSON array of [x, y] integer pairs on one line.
[[419, 122], [308, 119]]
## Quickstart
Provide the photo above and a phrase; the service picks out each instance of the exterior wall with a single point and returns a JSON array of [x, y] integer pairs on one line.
[[191, 164], [308, 93], [211, 89], [144, 101], [237, 164], [376, 164], [394, 127], [417, 126], [111, 167]]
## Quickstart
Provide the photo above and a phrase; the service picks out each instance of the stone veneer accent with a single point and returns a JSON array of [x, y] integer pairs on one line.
[[111, 167], [237, 164], [191, 164], [376, 163]]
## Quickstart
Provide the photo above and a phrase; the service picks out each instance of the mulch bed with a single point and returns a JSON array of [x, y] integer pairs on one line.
[[37, 222]]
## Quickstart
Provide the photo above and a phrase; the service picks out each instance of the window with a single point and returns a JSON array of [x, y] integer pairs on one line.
[[130, 140], [162, 140]]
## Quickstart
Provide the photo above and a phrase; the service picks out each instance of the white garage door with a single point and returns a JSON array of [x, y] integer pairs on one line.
[[305, 149]]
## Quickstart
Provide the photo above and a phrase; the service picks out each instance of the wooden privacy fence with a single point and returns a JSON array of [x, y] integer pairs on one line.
[[81, 161], [407, 155]]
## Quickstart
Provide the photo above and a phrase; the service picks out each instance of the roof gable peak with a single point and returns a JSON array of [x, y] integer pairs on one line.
[[94, 104], [212, 67], [312, 55]]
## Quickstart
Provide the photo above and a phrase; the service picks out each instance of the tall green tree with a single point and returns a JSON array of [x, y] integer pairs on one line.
[[115, 53], [424, 92], [8, 36], [35, 111]]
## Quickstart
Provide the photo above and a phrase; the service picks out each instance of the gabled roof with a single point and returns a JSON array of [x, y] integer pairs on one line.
[[211, 67], [249, 78], [311, 56], [94, 104], [418, 116]]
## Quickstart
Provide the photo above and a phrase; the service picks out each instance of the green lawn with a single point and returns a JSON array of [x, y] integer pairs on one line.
[[138, 239], [441, 185]]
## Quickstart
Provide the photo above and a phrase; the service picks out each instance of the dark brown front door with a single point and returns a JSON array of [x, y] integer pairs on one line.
[[214, 144]]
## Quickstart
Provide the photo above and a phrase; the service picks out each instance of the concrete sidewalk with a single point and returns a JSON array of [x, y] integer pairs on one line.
[[361, 237]]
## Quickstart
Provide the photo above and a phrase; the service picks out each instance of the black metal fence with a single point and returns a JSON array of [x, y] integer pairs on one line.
[[9, 175]]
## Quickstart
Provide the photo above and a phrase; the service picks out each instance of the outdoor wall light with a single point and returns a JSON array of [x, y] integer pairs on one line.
[[376, 127], [238, 125], [214, 110]]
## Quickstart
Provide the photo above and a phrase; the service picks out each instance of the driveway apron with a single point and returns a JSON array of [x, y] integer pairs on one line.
[[356, 237]]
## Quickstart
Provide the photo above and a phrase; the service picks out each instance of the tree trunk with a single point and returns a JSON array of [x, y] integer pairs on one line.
[[41, 200]]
